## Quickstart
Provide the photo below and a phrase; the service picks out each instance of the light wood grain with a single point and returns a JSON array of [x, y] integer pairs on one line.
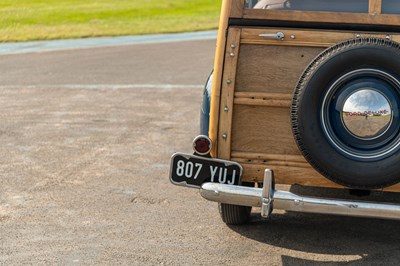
[[264, 95], [217, 78], [306, 38], [293, 37], [227, 93], [263, 99], [268, 156], [237, 9], [322, 17], [272, 69], [253, 109], [294, 175], [261, 129], [286, 175], [375, 7]]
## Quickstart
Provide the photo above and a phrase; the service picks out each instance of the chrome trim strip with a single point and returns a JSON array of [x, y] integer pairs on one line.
[[283, 200], [236, 195]]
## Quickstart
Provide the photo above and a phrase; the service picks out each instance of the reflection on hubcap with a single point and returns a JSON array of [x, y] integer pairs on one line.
[[367, 113]]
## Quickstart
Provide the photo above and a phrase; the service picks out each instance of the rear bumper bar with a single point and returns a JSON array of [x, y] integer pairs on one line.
[[268, 198]]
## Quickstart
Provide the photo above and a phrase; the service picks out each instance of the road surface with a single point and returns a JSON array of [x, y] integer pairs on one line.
[[86, 137]]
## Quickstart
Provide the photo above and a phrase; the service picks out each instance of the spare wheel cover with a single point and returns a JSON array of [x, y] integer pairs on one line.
[[345, 113]]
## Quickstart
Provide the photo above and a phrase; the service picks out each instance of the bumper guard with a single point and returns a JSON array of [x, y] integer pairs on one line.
[[268, 198]]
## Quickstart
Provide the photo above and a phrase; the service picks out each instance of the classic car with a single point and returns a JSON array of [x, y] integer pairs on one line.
[[303, 92]]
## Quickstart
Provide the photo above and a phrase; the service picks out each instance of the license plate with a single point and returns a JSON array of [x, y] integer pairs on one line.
[[192, 171]]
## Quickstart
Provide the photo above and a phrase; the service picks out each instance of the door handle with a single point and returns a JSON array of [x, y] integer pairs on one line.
[[278, 36]]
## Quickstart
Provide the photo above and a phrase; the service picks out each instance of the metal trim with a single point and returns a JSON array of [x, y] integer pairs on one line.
[[267, 194], [387, 127], [284, 200], [324, 126]]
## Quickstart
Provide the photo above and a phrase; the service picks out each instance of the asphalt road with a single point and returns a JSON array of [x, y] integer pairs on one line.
[[86, 137]]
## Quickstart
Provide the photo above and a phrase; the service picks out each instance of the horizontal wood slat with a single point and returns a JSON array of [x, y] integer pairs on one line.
[[294, 175], [305, 38], [322, 17], [266, 156], [286, 175], [263, 99]]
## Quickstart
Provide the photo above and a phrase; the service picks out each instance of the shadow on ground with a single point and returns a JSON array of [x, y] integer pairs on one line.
[[355, 241]]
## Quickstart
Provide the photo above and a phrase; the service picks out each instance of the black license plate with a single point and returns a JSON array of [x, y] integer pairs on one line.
[[192, 171]]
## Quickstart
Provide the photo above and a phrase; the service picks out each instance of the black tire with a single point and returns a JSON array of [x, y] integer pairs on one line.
[[339, 155], [234, 214]]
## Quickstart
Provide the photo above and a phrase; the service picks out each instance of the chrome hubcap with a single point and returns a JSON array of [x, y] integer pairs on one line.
[[367, 114], [360, 114]]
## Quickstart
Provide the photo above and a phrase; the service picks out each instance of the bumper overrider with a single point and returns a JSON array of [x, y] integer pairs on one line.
[[198, 172]]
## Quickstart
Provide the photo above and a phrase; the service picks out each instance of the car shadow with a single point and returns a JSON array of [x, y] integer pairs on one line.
[[359, 241]]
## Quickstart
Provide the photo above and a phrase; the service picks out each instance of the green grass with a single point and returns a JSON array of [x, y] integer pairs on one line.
[[22, 20]]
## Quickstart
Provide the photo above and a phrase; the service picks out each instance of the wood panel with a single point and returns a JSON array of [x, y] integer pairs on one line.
[[263, 99], [236, 8], [227, 93], [322, 17], [261, 129], [218, 69], [286, 175], [253, 122], [273, 69], [251, 156], [306, 38], [375, 7], [293, 175]]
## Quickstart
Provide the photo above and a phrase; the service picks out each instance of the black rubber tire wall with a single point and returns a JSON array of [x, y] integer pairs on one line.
[[234, 214]]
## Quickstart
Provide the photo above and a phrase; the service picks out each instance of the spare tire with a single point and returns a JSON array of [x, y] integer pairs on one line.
[[345, 113]]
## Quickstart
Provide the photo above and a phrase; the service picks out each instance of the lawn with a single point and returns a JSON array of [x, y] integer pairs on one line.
[[22, 20]]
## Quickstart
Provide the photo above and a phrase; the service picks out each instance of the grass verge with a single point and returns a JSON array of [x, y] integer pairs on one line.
[[25, 20]]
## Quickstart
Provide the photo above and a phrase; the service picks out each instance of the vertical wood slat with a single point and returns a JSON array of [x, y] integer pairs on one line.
[[237, 9], [218, 68], [227, 93], [375, 7]]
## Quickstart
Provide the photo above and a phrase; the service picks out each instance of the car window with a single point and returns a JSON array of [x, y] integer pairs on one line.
[[390, 7], [354, 6]]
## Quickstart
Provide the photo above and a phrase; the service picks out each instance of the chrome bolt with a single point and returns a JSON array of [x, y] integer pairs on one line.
[[228, 81], [224, 136], [233, 46], [388, 37], [358, 35], [293, 36], [232, 54], [226, 109], [266, 201]]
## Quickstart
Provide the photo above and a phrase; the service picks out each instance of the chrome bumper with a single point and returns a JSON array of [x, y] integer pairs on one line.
[[268, 198]]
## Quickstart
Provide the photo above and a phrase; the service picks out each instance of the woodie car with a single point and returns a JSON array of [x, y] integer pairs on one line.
[[303, 92]]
